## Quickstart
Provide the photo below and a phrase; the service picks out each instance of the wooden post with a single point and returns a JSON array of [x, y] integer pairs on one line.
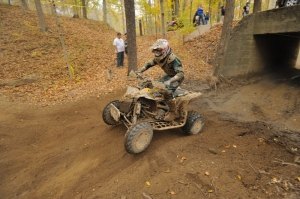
[[140, 27]]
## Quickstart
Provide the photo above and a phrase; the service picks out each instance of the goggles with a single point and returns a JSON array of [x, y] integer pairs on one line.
[[157, 52]]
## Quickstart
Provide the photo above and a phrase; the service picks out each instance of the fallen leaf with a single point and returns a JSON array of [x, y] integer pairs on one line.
[[210, 191], [275, 180], [148, 183], [183, 158], [172, 193], [239, 177], [294, 149], [223, 151], [234, 146], [206, 173], [227, 146], [298, 178], [261, 139]]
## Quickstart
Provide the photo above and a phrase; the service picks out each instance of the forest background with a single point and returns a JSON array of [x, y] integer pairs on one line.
[[148, 12]]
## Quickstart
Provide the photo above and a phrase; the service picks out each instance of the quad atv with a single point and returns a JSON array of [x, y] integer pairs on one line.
[[144, 108]]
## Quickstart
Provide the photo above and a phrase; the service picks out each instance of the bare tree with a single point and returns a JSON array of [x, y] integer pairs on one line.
[[191, 7], [62, 41], [104, 9], [183, 6], [123, 16], [210, 10], [24, 5], [75, 9], [257, 6], [84, 10], [131, 35], [41, 18], [162, 13], [225, 36], [176, 10]]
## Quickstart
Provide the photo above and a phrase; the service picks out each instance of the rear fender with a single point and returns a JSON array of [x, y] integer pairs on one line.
[[189, 97]]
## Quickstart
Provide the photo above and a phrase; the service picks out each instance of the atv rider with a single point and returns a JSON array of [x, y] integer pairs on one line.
[[170, 64]]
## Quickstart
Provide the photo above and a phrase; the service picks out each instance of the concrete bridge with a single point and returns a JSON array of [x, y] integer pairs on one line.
[[263, 41]]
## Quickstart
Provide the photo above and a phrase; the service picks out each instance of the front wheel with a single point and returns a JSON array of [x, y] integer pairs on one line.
[[106, 114], [138, 137], [194, 123]]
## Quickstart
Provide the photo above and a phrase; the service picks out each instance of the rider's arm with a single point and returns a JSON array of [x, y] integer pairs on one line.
[[147, 66], [178, 69]]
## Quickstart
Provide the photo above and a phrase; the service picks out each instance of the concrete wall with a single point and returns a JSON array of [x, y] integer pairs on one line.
[[242, 55]]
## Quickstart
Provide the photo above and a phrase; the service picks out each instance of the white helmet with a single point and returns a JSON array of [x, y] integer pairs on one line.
[[161, 48]]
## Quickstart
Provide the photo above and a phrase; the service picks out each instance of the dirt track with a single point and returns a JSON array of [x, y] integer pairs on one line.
[[67, 151]]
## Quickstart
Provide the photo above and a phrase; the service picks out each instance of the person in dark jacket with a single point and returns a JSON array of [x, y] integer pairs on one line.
[[199, 16]]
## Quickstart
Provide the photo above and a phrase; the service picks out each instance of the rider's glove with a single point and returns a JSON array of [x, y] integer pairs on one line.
[[168, 83]]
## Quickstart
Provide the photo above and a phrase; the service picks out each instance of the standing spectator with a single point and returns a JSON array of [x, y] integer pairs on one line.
[[200, 13], [199, 16], [222, 13], [120, 48], [246, 9], [125, 43], [206, 17]]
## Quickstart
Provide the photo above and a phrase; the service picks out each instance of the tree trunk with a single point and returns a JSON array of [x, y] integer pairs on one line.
[[210, 14], [257, 6], [62, 41], [156, 29], [225, 36], [84, 10], [191, 7], [151, 24], [162, 13], [183, 6], [176, 8], [131, 35], [41, 18], [75, 10], [8, 1], [219, 12], [123, 16], [104, 9], [24, 5], [140, 27]]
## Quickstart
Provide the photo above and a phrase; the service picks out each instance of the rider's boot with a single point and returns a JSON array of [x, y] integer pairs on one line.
[[172, 114]]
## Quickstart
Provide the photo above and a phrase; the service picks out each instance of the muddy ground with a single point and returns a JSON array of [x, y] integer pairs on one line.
[[66, 151]]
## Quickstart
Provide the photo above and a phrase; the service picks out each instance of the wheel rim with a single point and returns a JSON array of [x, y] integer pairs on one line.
[[197, 126], [291, 2], [142, 140]]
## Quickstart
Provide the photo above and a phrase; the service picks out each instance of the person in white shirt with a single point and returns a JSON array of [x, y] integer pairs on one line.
[[119, 49]]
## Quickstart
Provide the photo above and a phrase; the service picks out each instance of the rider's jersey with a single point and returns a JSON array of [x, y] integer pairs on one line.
[[171, 65]]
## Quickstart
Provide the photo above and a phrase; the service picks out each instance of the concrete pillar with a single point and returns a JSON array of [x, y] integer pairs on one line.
[[298, 61]]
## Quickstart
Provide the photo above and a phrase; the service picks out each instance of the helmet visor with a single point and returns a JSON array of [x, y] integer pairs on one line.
[[157, 52]]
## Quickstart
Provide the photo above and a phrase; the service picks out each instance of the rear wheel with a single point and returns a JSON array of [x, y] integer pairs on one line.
[[194, 123], [106, 114], [138, 137], [291, 2]]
